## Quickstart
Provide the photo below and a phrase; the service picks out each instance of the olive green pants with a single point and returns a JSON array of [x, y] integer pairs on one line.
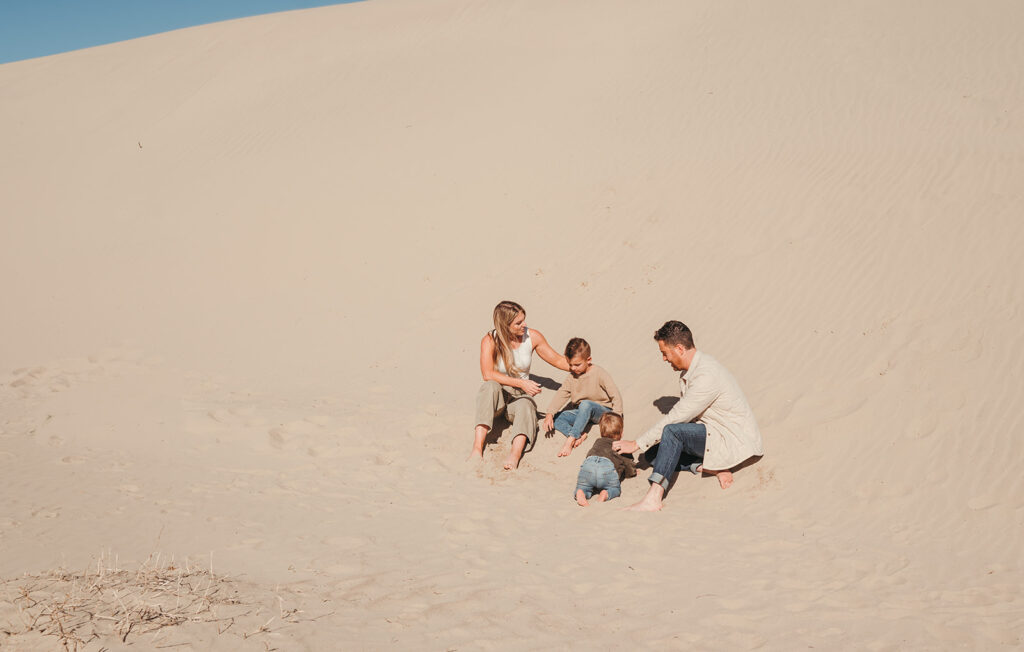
[[518, 407]]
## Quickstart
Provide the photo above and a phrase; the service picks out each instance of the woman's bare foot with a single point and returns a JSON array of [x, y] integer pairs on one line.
[[601, 497], [516, 454], [479, 437], [651, 501], [581, 498]]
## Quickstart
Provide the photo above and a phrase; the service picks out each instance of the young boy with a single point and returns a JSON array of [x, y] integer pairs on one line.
[[604, 469], [588, 389]]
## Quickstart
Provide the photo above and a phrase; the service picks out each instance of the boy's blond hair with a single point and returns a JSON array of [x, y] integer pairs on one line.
[[611, 426]]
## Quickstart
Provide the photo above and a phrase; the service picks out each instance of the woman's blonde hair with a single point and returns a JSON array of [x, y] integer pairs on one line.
[[504, 314]]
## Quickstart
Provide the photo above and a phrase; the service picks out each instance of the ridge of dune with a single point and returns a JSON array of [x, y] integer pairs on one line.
[[246, 267]]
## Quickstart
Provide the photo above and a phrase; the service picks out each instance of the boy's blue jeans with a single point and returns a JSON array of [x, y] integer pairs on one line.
[[597, 473], [572, 422], [681, 447]]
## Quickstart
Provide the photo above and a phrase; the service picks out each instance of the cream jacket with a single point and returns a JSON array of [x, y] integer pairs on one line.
[[710, 395]]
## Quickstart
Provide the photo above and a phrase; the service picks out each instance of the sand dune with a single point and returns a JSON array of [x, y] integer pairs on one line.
[[246, 267]]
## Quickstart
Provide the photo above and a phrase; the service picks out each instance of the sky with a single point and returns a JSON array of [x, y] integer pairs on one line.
[[36, 28]]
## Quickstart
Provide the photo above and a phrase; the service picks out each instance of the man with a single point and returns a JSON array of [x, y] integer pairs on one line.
[[711, 429]]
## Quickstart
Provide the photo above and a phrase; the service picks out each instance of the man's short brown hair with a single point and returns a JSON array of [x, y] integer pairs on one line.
[[611, 426], [675, 332], [577, 346]]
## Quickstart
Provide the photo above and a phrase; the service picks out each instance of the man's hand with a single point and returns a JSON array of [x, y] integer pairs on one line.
[[624, 446], [549, 423]]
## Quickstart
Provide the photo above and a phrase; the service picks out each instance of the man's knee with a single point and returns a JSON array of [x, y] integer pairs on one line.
[[672, 432]]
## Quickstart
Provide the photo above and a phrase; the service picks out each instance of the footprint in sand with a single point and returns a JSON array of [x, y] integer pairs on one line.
[[46, 512], [278, 437], [244, 416], [309, 434], [984, 501]]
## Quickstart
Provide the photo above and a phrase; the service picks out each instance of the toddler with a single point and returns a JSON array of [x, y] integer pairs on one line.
[[604, 469]]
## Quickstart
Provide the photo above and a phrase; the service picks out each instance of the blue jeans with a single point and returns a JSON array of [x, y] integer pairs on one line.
[[681, 447], [572, 422], [597, 473]]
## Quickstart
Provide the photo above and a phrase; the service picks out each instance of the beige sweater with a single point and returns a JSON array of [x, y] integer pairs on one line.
[[593, 385]]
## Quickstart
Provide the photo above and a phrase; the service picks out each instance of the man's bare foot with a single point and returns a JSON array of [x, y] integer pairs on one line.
[[651, 501], [581, 498], [566, 448], [724, 477], [601, 497], [644, 506], [579, 440]]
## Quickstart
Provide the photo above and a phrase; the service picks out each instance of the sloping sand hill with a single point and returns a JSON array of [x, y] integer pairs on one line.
[[245, 269]]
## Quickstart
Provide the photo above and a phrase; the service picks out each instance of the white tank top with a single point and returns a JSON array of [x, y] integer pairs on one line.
[[521, 357]]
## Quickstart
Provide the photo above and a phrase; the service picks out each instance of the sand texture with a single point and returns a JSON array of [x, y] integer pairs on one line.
[[245, 269]]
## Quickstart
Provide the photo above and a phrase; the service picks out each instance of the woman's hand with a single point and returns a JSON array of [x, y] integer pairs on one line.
[[530, 387]]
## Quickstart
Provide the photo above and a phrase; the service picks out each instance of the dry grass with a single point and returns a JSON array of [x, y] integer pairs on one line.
[[105, 604]]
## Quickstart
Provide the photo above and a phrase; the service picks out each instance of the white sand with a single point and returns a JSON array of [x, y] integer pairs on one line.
[[245, 269]]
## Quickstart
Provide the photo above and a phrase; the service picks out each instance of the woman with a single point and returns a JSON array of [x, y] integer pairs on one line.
[[505, 357]]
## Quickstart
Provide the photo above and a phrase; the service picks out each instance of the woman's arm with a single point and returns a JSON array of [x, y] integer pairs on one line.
[[546, 353], [489, 372]]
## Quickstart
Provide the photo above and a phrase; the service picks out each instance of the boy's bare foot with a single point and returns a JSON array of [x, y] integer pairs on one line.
[[724, 477], [581, 498], [567, 447], [601, 497], [651, 501], [579, 440]]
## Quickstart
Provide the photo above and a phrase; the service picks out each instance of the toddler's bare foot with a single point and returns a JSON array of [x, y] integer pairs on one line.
[[567, 448], [576, 442], [581, 498], [601, 497]]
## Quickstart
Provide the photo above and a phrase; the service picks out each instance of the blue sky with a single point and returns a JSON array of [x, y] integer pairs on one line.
[[35, 28]]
